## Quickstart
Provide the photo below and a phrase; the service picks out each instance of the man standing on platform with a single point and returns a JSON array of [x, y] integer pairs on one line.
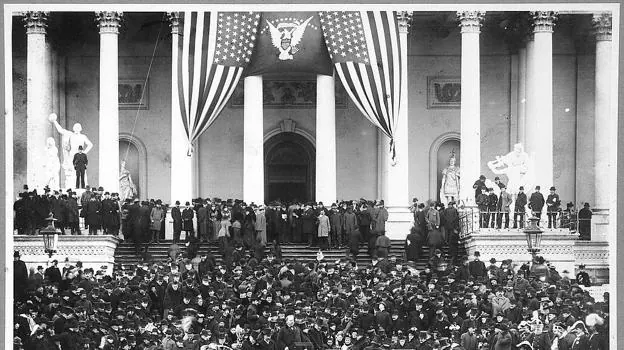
[[380, 218], [504, 202], [536, 203], [451, 224], [176, 216], [187, 220], [552, 207], [336, 223], [80, 162], [482, 202], [364, 222], [519, 211], [202, 222], [584, 225], [492, 207], [109, 214]]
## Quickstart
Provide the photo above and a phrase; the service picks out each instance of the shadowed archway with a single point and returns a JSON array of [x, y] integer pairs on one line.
[[289, 168]]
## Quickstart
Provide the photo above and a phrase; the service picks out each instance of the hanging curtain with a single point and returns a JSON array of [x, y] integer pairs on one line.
[[213, 51], [365, 49]]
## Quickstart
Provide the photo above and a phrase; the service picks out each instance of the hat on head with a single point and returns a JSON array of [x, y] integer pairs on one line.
[[482, 177], [477, 253], [80, 148], [493, 261], [521, 188], [579, 325], [552, 188], [177, 202], [496, 178], [16, 254]]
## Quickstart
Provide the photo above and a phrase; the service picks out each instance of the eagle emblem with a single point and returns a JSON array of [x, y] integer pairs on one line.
[[286, 37]]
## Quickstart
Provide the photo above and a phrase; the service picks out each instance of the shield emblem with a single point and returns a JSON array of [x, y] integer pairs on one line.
[[285, 43]]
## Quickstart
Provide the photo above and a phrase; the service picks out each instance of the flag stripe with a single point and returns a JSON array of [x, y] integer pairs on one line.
[[212, 53], [366, 51]]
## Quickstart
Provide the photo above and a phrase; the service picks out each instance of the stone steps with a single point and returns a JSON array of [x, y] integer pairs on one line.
[[125, 253]]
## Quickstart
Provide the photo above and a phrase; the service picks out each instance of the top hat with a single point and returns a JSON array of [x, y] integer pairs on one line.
[[552, 188]]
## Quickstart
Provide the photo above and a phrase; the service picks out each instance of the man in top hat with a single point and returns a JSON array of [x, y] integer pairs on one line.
[[584, 225], [519, 211], [552, 207], [504, 202], [187, 220], [176, 216], [20, 277], [536, 203], [80, 162], [451, 225]]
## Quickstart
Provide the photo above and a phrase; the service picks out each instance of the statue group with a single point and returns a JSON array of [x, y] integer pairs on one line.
[[71, 141]]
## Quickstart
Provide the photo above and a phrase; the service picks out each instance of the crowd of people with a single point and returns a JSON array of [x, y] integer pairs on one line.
[[258, 300], [264, 302]]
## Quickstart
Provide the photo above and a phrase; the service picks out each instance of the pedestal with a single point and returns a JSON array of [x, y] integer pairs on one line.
[[92, 251], [400, 221]]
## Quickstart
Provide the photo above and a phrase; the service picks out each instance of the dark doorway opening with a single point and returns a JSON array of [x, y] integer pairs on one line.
[[289, 171]]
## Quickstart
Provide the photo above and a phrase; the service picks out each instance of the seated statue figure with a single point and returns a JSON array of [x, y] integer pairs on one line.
[[516, 166]]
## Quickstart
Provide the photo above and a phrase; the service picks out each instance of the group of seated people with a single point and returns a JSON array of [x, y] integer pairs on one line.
[[264, 302]]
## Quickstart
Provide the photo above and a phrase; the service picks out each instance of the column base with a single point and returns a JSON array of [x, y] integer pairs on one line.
[[600, 225], [400, 221]]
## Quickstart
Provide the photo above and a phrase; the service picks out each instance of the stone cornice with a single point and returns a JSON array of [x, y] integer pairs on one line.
[[602, 26], [36, 22], [404, 18], [175, 22], [543, 21], [470, 21], [108, 21]]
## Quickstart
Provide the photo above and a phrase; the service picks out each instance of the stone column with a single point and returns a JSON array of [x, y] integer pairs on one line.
[[529, 87], [395, 181], [181, 163], [522, 87], [539, 119], [253, 145], [325, 139], [602, 141], [37, 98], [470, 23], [603, 168], [109, 23]]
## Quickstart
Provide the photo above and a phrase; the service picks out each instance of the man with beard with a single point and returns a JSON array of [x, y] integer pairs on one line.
[[289, 335]]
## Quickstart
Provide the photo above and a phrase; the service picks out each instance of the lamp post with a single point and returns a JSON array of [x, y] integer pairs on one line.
[[533, 236], [50, 236]]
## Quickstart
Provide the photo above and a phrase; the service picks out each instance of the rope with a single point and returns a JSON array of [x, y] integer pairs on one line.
[[149, 69]]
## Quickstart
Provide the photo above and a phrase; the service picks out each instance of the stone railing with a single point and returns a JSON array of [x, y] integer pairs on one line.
[[92, 251]]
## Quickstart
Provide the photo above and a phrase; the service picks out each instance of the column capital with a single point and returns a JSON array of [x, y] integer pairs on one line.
[[470, 21], [543, 21], [36, 22], [109, 21], [404, 18], [602, 26], [175, 22]]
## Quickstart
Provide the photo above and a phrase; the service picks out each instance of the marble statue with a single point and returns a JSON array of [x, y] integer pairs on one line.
[[516, 165], [449, 190], [71, 141], [127, 189], [52, 165]]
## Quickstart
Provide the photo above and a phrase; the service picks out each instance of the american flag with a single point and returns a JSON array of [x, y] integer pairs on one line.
[[365, 49], [212, 53]]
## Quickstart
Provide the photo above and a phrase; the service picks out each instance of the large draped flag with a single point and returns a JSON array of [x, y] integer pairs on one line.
[[365, 49], [212, 53], [290, 42]]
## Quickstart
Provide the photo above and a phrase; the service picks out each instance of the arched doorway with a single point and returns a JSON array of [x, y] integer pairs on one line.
[[289, 168]]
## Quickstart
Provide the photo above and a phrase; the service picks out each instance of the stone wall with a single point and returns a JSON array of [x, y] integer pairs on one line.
[[220, 160]]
